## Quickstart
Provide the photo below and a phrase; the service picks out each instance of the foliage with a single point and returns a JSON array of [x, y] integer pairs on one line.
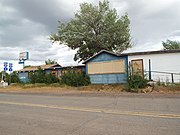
[[50, 78], [135, 82], [49, 62], [38, 76], [159, 83], [75, 78], [171, 45], [11, 78], [3, 75], [94, 28], [41, 77], [27, 66]]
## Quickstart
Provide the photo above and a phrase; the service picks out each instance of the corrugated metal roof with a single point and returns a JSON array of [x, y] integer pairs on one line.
[[102, 51], [64, 67], [152, 52], [34, 68], [133, 53]]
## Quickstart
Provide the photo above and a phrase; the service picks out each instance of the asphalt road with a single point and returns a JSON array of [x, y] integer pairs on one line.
[[25, 114]]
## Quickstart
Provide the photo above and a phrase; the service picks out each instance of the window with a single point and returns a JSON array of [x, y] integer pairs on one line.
[[109, 67]]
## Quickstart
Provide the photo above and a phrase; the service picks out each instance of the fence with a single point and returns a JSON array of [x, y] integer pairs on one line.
[[168, 77]]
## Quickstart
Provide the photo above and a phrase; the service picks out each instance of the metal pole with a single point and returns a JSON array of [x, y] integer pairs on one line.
[[150, 70], [172, 77], [2, 76], [10, 78], [23, 63], [129, 70]]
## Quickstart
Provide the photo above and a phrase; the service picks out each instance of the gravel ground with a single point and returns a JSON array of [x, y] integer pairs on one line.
[[101, 90]]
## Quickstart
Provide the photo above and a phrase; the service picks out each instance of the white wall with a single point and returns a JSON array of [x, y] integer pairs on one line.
[[167, 62]]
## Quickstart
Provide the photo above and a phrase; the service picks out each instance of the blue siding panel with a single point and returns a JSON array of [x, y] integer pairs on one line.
[[108, 78], [104, 57], [59, 72], [23, 77], [47, 71]]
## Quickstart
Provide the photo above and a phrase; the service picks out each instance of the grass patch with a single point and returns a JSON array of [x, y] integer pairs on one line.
[[102, 87], [167, 89], [42, 86], [59, 88]]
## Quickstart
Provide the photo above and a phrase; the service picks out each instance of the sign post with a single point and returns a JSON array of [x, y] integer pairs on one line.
[[10, 67], [23, 56], [10, 70], [5, 66], [5, 69]]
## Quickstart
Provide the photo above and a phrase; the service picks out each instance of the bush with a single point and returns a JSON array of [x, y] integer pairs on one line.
[[75, 78], [37, 77], [41, 77], [50, 78], [13, 78], [10, 78], [135, 82]]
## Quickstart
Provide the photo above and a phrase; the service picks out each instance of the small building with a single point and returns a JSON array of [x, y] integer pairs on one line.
[[163, 65], [55, 69], [107, 67], [24, 73], [80, 68]]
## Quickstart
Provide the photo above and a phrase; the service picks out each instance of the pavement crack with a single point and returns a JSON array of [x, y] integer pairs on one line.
[[82, 125]]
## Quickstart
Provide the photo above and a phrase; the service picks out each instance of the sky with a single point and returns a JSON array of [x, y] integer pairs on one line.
[[25, 25]]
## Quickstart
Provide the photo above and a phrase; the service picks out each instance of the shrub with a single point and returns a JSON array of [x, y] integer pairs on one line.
[[75, 78], [50, 78], [159, 83], [37, 77], [41, 77], [10, 78], [135, 82]]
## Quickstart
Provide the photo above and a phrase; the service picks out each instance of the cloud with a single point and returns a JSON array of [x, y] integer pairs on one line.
[[153, 20], [46, 12], [26, 24]]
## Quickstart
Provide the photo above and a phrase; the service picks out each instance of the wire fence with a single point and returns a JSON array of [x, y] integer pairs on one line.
[[167, 77]]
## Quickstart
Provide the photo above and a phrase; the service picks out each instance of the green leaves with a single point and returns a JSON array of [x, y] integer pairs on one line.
[[41, 77], [75, 78], [94, 28], [171, 45], [49, 62]]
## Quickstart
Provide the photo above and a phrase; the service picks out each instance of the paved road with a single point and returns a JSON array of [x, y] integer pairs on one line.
[[87, 115]]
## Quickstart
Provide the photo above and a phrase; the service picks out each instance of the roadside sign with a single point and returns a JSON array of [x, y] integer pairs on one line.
[[21, 62], [10, 65], [5, 64], [24, 56], [5, 68]]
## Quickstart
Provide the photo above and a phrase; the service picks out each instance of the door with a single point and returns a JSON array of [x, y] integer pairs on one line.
[[137, 67]]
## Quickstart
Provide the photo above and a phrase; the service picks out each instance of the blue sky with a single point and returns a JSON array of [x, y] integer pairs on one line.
[[26, 24]]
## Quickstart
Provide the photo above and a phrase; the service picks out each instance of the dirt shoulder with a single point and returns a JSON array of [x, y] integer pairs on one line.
[[91, 90], [62, 89]]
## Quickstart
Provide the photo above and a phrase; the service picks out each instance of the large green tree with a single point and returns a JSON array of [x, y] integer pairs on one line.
[[171, 45], [93, 29]]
